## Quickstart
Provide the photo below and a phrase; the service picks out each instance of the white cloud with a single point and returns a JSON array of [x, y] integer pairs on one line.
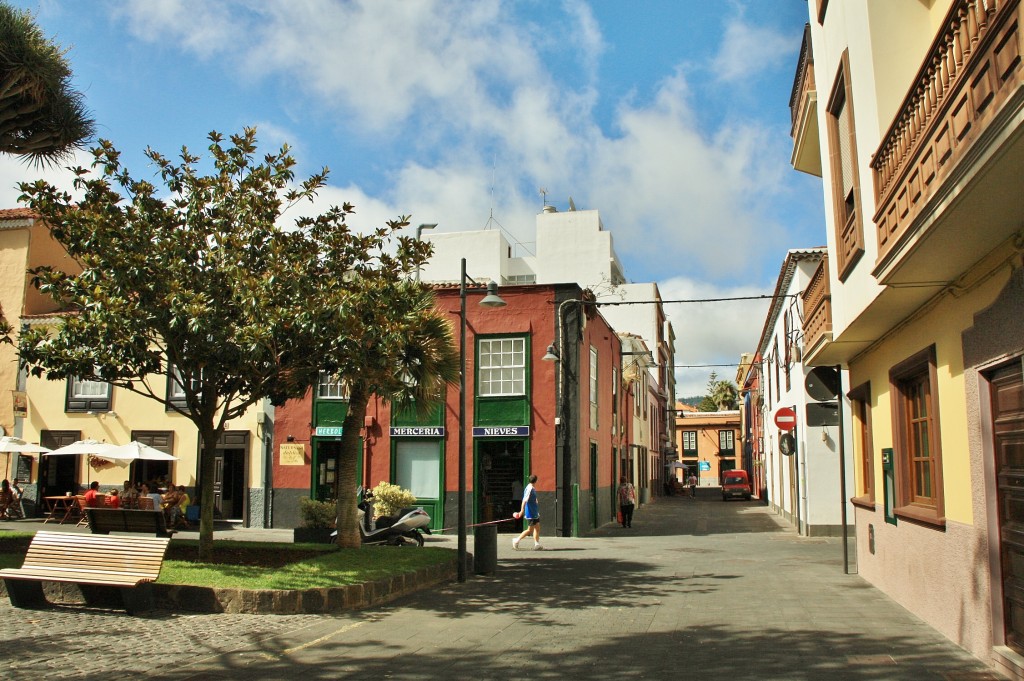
[[13, 171], [748, 50], [712, 332]]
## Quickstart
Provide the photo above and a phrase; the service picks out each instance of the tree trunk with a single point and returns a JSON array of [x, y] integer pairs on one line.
[[345, 489], [207, 471]]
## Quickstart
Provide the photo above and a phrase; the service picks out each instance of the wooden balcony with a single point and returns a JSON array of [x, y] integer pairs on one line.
[[817, 304], [803, 105], [946, 175]]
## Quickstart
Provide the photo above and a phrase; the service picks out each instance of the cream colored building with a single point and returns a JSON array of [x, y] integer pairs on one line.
[[64, 411], [912, 112], [24, 242]]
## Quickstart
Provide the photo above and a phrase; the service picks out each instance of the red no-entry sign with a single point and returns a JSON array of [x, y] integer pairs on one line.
[[785, 418]]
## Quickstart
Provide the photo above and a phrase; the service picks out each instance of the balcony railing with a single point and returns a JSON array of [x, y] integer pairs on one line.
[[964, 81], [817, 302], [803, 82]]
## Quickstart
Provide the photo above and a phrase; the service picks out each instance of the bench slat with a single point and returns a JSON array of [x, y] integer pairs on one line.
[[85, 576], [94, 559]]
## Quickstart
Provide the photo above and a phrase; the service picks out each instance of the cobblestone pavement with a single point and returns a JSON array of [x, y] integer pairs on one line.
[[696, 589]]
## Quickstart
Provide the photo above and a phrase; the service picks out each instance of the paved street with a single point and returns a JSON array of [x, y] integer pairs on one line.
[[696, 589]]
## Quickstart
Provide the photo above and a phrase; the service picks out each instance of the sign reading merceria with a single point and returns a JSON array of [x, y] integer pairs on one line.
[[417, 431]]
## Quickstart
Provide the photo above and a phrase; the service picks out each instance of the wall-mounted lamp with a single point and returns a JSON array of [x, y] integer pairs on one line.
[[551, 355], [290, 438]]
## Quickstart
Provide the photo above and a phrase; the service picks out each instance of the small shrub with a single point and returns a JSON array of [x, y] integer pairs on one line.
[[389, 499], [317, 514]]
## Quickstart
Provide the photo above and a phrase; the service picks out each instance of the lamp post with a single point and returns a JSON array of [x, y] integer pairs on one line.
[[419, 231], [490, 300]]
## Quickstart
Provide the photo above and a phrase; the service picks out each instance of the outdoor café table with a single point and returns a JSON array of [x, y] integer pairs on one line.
[[60, 508]]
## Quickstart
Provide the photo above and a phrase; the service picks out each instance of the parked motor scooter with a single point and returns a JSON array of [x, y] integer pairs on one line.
[[406, 526]]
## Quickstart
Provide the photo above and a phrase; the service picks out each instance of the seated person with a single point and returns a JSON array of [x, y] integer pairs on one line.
[[6, 499], [170, 502], [179, 514], [15, 510], [114, 499], [91, 496], [153, 496]]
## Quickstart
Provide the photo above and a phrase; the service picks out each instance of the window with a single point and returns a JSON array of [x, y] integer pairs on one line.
[[330, 387], [593, 387], [860, 406], [513, 279], [418, 467], [502, 369], [842, 141], [917, 449], [727, 443], [787, 320], [777, 359], [615, 390], [176, 386], [689, 443], [87, 395]]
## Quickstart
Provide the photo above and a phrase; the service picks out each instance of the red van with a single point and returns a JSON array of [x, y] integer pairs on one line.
[[735, 484]]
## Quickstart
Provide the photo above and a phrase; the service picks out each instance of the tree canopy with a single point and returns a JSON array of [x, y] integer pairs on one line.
[[206, 284], [721, 395], [42, 118]]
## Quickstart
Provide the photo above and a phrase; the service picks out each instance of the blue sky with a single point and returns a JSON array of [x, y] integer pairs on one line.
[[670, 117]]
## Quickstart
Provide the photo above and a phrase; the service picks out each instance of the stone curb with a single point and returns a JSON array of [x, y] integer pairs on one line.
[[276, 601]]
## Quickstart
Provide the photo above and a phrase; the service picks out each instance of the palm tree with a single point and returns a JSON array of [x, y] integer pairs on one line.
[[42, 119], [724, 395], [403, 352]]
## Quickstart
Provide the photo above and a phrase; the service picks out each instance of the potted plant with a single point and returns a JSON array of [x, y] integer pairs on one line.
[[318, 519], [388, 499]]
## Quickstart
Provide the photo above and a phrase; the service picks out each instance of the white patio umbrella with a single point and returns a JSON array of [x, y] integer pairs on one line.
[[134, 451], [676, 465], [82, 447], [12, 444]]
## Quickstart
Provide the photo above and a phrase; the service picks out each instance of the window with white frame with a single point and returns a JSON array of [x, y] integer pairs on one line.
[[86, 389], [331, 387], [593, 387], [502, 366], [87, 395], [176, 385]]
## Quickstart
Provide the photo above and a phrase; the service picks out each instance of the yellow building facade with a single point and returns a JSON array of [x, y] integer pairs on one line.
[[913, 115]]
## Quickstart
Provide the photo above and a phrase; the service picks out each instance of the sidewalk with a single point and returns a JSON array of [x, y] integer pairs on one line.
[[696, 589]]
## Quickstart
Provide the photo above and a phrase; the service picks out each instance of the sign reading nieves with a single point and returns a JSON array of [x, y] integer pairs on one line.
[[502, 431]]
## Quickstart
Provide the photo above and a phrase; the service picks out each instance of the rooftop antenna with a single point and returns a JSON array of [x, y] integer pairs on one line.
[[544, 195]]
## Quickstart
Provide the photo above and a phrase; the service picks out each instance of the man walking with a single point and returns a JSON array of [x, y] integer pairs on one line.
[[531, 512]]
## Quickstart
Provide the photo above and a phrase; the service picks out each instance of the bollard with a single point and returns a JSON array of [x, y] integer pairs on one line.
[[485, 549]]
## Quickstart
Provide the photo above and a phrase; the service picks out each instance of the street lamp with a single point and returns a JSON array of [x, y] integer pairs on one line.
[[419, 231], [492, 299]]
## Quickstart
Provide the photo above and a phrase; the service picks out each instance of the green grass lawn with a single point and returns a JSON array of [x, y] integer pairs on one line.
[[267, 565]]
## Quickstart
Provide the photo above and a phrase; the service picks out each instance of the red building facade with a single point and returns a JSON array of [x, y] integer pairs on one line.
[[563, 421]]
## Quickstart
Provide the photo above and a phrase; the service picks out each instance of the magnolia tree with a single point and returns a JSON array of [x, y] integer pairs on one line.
[[202, 283]]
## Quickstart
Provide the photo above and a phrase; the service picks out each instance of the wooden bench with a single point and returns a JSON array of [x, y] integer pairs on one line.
[[107, 520], [110, 571]]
